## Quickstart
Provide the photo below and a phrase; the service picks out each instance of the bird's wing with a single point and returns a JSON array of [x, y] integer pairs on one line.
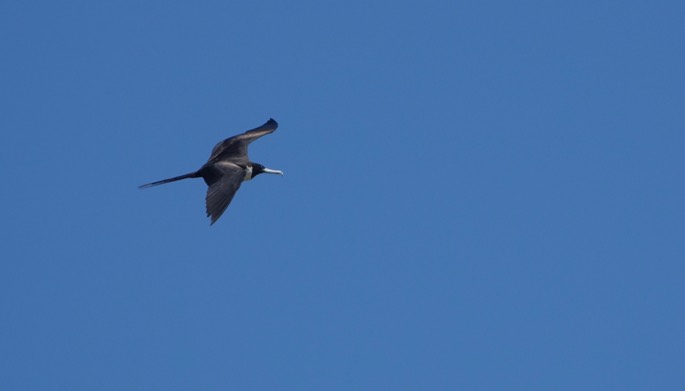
[[222, 188], [236, 147]]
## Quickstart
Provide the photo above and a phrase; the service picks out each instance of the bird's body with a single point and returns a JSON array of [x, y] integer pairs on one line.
[[228, 166]]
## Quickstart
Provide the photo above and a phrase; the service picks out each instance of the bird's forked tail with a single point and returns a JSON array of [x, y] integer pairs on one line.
[[174, 179]]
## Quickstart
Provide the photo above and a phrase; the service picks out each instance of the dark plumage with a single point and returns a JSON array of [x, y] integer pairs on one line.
[[227, 167]]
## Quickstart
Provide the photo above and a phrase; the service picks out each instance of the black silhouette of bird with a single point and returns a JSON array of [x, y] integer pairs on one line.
[[228, 166]]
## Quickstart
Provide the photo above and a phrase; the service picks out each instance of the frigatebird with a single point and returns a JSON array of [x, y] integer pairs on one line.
[[227, 168]]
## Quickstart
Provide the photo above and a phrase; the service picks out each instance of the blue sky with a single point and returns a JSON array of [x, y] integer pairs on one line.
[[477, 196]]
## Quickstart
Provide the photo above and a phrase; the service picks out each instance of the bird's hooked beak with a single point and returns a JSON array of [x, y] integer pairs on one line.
[[270, 171]]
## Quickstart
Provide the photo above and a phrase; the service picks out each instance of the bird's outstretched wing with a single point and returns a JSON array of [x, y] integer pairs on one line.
[[235, 148], [223, 184]]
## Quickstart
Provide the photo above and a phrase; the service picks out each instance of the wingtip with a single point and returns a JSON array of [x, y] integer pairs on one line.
[[272, 122]]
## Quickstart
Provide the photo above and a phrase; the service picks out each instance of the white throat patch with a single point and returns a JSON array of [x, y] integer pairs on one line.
[[248, 173]]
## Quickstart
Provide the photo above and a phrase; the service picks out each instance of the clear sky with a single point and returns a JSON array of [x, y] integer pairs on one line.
[[482, 195]]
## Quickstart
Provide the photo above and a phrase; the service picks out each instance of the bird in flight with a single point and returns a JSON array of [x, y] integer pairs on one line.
[[228, 166]]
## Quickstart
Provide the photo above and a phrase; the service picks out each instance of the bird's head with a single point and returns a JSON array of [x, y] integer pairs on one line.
[[258, 169]]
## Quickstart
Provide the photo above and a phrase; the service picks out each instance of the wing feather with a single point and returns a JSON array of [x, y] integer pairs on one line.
[[221, 191], [236, 147]]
